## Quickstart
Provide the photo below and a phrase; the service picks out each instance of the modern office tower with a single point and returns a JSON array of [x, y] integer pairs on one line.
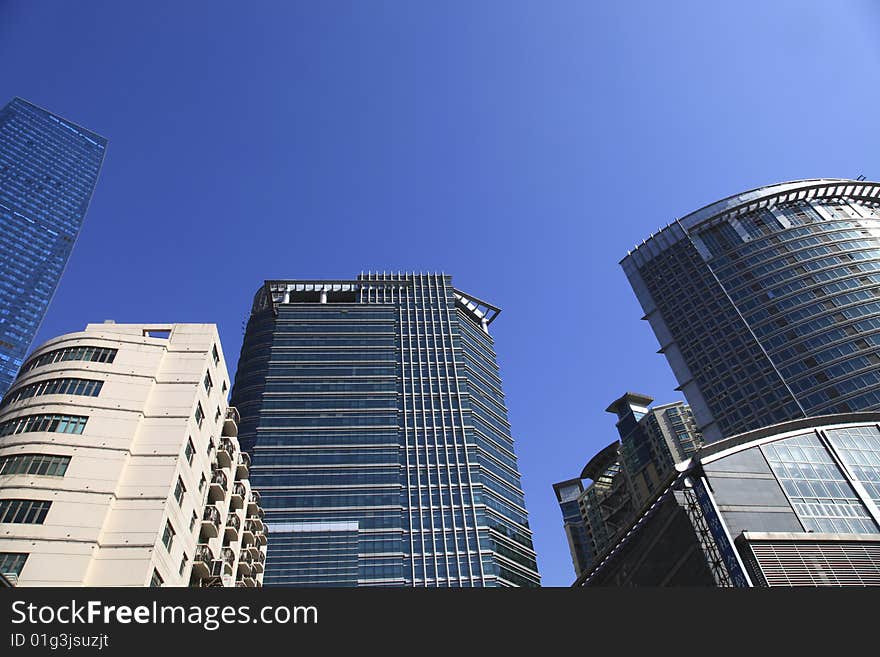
[[48, 171], [792, 504], [767, 304], [625, 475], [120, 466], [374, 414]]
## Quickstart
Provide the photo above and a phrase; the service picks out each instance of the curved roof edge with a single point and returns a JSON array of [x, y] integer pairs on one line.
[[717, 207], [816, 421], [600, 462], [760, 196]]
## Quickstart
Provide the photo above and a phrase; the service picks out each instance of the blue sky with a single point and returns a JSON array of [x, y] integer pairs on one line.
[[522, 147]]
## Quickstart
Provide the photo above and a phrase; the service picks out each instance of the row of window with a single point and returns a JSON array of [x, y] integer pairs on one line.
[[93, 354], [34, 464], [18, 511], [82, 387], [44, 422]]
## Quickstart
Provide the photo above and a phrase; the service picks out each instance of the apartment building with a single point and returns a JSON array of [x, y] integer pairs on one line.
[[120, 464]]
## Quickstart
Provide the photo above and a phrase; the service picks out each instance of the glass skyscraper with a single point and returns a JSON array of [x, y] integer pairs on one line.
[[767, 303], [374, 414], [48, 171]]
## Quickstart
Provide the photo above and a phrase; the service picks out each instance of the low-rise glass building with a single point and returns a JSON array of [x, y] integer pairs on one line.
[[791, 504]]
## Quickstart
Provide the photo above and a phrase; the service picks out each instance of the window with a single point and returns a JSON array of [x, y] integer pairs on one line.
[[168, 536], [215, 354], [225, 387], [194, 519], [217, 414], [202, 483], [210, 446], [208, 383], [83, 387], [30, 512], [179, 491], [52, 423], [190, 451], [11, 563], [93, 354], [183, 563], [200, 414], [34, 464], [156, 580]]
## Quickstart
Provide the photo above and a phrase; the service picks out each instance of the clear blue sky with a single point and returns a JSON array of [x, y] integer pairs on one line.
[[522, 147]]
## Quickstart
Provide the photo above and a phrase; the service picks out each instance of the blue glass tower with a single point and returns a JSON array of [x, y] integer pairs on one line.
[[48, 171], [374, 415]]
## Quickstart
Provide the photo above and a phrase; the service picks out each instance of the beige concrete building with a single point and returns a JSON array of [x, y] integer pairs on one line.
[[120, 465]]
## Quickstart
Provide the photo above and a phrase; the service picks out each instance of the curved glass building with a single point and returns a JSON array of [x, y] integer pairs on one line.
[[767, 303], [374, 413]]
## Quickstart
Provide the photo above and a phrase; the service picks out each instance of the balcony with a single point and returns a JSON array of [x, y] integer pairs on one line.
[[248, 535], [254, 504], [231, 422], [259, 562], [228, 556], [202, 561], [239, 492], [233, 524], [219, 484], [245, 562], [244, 463], [256, 522], [210, 522], [225, 451]]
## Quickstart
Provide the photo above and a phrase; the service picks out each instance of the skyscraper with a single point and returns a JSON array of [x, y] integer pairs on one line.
[[374, 414], [767, 303], [48, 171]]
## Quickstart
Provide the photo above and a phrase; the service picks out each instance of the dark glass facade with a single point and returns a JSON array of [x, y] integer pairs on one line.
[[48, 171], [767, 304], [375, 418]]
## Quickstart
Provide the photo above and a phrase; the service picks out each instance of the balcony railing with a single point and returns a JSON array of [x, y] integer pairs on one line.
[[244, 462], [225, 450], [210, 521], [202, 561], [219, 477], [233, 525], [231, 422], [239, 492], [219, 483]]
